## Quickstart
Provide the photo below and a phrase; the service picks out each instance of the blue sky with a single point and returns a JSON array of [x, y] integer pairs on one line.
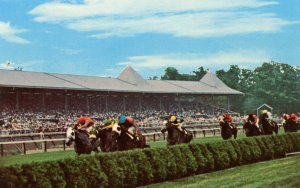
[[101, 37]]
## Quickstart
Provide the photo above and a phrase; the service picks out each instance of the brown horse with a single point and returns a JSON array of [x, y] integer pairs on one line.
[[268, 126], [175, 136], [107, 141], [250, 127], [126, 141], [228, 130], [290, 126], [82, 143]]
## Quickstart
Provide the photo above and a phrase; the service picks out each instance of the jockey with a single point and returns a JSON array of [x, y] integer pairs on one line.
[[228, 118], [177, 122], [285, 117], [87, 124], [294, 118], [129, 125], [252, 119], [108, 123]]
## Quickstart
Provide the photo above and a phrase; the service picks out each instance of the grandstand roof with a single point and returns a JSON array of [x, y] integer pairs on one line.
[[128, 81]]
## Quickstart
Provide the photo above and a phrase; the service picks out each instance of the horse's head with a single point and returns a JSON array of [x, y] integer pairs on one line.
[[116, 129], [70, 135], [165, 123]]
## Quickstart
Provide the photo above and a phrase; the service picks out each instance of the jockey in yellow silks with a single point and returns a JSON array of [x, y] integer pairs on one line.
[[177, 122]]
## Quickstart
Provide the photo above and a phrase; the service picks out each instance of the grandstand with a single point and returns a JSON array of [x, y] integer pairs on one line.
[[61, 96]]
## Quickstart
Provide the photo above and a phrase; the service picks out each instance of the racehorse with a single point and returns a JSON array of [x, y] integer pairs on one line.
[[82, 143], [268, 126], [250, 127], [175, 136], [290, 126], [125, 141], [228, 130], [107, 141]]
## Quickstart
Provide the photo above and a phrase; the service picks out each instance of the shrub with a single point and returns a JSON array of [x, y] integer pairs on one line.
[[245, 150], [144, 170], [158, 163], [220, 154], [200, 160], [84, 171], [265, 153], [254, 149], [239, 154], [12, 176]]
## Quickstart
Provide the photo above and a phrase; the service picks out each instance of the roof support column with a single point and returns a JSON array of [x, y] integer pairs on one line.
[[87, 103], [43, 100], [140, 102], [160, 105], [124, 105], [228, 102], [66, 101], [213, 104], [99, 104], [106, 106], [179, 103], [17, 99]]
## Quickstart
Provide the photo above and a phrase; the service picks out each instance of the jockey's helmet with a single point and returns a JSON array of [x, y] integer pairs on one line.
[[264, 111], [173, 119], [180, 120], [122, 119], [294, 117]]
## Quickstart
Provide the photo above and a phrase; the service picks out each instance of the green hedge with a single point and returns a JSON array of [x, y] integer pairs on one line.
[[141, 167]]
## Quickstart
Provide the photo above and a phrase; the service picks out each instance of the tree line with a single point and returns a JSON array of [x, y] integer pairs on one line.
[[274, 83]]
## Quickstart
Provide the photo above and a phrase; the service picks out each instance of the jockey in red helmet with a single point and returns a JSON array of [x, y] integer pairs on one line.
[[129, 125], [87, 124], [294, 118], [252, 119], [227, 118]]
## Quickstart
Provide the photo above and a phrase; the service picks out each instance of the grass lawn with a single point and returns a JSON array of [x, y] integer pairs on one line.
[[281, 173]]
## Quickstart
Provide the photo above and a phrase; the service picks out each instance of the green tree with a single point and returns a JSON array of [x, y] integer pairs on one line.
[[171, 74]]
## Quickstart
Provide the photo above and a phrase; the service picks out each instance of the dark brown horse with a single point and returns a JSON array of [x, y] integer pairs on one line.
[[290, 126], [126, 141], [175, 136], [228, 130], [268, 126], [251, 127], [107, 141], [82, 143]]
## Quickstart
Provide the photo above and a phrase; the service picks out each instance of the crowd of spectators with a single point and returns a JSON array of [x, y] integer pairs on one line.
[[31, 117]]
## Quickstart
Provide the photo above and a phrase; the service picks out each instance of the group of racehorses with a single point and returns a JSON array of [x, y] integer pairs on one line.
[[114, 138], [255, 127]]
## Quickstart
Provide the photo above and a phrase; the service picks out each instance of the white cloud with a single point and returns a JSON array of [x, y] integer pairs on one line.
[[9, 34], [68, 51], [191, 18], [219, 60], [59, 11], [8, 65]]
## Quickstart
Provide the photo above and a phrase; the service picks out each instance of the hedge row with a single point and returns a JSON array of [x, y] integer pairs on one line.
[[142, 167]]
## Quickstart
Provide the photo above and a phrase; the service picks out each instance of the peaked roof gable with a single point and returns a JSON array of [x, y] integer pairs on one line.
[[212, 80], [129, 75]]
